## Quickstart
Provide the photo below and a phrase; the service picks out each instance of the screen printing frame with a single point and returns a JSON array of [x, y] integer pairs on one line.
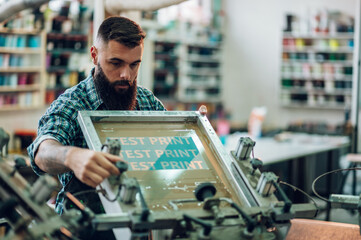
[[230, 168]]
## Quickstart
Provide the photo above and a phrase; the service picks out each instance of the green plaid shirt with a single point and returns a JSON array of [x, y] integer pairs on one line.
[[60, 121]]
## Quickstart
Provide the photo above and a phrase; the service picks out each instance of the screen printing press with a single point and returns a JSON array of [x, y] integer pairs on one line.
[[178, 182]]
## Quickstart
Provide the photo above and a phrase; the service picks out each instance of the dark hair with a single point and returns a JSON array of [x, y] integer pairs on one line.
[[122, 30]]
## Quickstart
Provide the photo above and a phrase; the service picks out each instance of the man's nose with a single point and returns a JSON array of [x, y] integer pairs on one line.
[[125, 73]]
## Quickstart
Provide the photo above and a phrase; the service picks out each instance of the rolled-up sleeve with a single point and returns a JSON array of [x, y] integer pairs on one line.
[[58, 123], [33, 148]]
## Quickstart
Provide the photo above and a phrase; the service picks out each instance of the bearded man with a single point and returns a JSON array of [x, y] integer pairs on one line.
[[60, 147]]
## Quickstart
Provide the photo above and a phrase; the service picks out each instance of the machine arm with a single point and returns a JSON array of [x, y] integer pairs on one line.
[[12, 7]]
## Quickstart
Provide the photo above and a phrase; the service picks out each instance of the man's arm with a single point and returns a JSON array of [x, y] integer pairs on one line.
[[89, 166]]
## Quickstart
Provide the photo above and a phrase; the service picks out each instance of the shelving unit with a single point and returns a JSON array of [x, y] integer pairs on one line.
[[64, 52], [317, 70], [200, 73], [22, 69], [166, 74], [187, 75], [67, 47]]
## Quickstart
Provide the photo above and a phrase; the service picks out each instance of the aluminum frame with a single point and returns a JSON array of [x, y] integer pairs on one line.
[[244, 191]]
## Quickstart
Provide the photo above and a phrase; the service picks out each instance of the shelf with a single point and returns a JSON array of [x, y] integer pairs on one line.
[[319, 36], [57, 88], [215, 45], [345, 63], [316, 106], [57, 69], [20, 31], [20, 69], [72, 33], [165, 71], [203, 58], [66, 51], [321, 50], [166, 56], [4, 108], [208, 99], [201, 85], [317, 91], [20, 88], [203, 72], [329, 77], [19, 50]]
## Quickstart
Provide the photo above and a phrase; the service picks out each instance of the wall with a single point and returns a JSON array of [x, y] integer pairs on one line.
[[252, 58]]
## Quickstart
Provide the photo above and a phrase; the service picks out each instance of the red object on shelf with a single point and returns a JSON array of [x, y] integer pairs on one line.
[[26, 137]]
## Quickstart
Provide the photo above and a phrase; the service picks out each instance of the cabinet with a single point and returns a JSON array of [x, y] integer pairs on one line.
[[317, 70], [22, 69]]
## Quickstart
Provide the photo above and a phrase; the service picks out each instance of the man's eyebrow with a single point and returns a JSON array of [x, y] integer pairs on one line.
[[121, 60], [116, 59]]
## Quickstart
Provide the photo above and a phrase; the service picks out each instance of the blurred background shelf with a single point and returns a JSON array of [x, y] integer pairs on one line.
[[22, 69]]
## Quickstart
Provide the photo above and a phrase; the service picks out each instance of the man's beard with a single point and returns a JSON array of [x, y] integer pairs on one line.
[[115, 100]]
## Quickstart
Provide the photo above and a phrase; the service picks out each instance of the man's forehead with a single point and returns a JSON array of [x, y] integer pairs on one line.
[[117, 50], [115, 44]]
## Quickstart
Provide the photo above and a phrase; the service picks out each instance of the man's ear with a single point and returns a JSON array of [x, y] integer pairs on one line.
[[94, 54]]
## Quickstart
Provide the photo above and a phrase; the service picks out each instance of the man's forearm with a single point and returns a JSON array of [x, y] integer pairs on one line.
[[51, 156]]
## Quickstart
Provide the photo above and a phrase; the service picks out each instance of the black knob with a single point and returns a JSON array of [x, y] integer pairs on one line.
[[122, 166], [20, 162], [205, 190]]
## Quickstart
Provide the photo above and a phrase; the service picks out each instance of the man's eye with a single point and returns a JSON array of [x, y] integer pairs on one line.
[[115, 63], [133, 65]]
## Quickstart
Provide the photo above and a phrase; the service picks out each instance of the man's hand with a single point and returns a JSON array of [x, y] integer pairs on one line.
[[89, 166]]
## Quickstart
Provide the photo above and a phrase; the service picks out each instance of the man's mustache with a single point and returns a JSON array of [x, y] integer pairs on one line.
[[122, 83]]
